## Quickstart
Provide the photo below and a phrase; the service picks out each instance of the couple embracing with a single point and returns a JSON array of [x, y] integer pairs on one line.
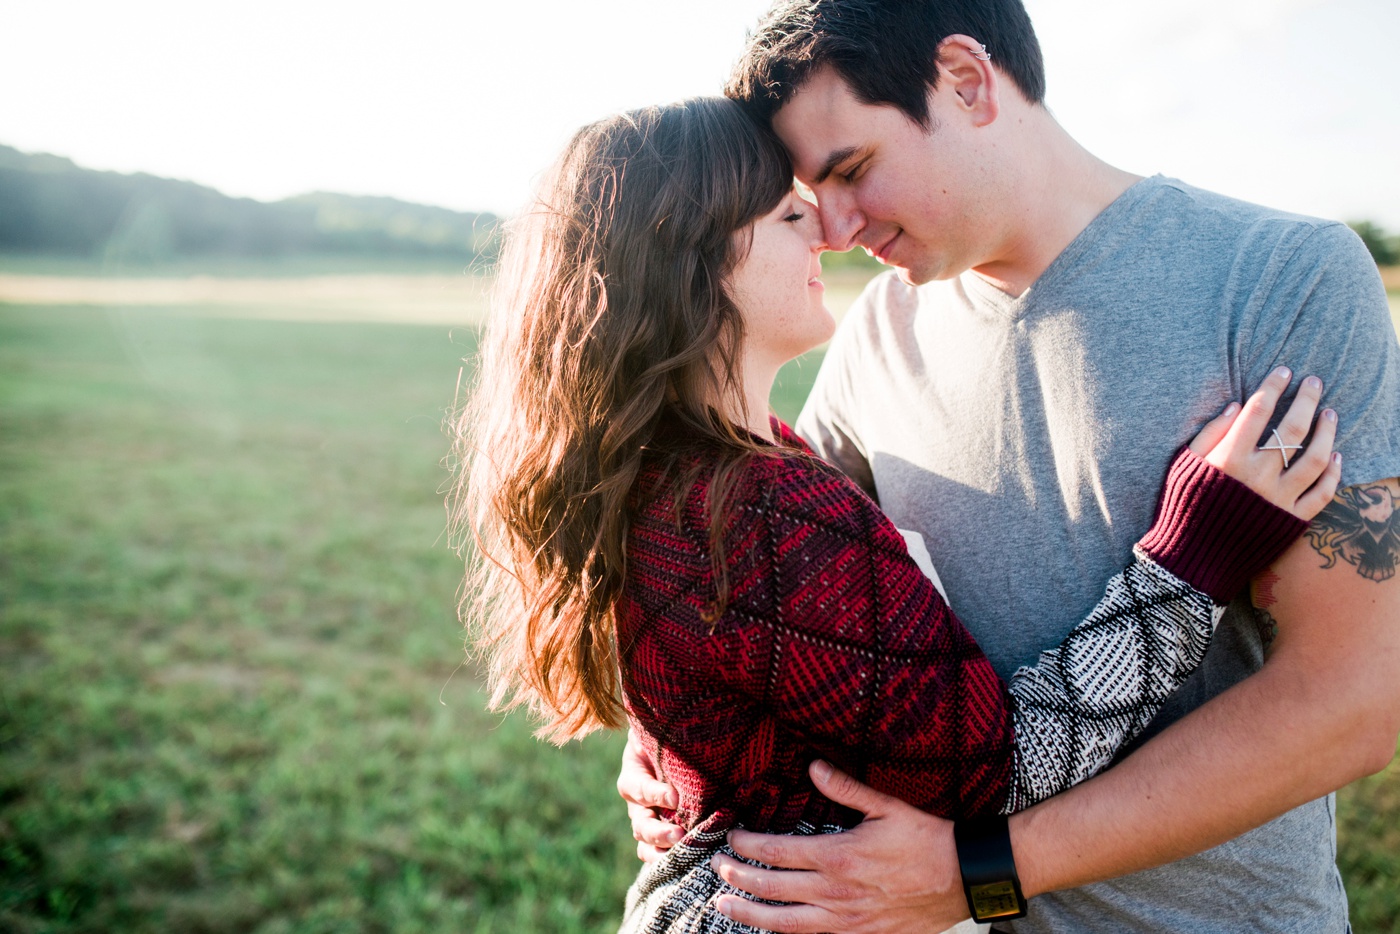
[[1093, 402]]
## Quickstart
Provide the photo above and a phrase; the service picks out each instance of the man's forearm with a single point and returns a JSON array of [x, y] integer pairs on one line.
[[1178, 795], [1321, 713]]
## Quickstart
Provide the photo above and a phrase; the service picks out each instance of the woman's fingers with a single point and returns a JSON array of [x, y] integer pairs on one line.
[[1277, 465], [1215, 431], [650, 829], [1307, 465], [1316, 499], [637, 782], [1254, 418], [639, 787], [1319, 470], [1293, 427]]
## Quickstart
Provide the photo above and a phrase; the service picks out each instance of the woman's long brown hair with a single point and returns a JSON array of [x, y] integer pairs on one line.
[[610, 319]]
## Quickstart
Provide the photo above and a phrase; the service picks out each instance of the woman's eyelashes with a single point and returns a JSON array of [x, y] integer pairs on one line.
[[794, 217]]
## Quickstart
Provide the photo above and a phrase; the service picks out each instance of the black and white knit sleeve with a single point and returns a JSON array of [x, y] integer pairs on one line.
[[1104, 683], [1076, 707]]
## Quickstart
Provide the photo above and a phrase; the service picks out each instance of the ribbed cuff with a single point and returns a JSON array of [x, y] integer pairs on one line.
[[1214, 532]]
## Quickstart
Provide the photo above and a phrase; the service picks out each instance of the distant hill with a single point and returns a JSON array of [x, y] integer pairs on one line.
[[50, 206]]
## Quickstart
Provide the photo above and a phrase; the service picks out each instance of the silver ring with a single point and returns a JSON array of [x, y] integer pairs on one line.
[[1279, 446]]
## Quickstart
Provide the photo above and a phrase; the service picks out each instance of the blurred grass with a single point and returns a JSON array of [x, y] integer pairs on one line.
[[227, 619], [226, 622]]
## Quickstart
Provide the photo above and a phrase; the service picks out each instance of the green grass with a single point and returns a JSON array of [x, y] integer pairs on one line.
[[228, 696], [227, 621]]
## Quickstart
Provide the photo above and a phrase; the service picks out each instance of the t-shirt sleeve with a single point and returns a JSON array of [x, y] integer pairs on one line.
[[1321, 309]]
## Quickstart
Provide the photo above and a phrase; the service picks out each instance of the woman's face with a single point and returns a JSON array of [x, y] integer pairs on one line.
[[776, 285]]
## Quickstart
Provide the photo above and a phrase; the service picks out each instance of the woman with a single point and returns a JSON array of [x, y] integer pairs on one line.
[[652, 547]]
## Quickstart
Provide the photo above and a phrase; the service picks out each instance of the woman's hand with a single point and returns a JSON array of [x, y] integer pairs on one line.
[[643, 792], [1299, 479]]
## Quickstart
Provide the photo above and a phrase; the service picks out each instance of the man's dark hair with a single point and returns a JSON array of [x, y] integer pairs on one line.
[[885, 50]]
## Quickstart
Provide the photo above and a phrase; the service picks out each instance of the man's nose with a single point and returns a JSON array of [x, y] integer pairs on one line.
[[841, 221]]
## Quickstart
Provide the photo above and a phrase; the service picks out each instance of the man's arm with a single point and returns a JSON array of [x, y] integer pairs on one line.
[[1323, 711]]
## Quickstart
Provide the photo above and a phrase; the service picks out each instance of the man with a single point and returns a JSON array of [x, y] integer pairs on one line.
[[1058, 328]]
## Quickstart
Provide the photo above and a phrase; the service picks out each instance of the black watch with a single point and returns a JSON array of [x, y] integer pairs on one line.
[[988, 869]]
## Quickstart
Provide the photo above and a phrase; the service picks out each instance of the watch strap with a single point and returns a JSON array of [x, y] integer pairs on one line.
[[988, 867]]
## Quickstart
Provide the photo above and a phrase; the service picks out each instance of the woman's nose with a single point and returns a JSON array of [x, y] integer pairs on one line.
[[816, 234], [840, 223]]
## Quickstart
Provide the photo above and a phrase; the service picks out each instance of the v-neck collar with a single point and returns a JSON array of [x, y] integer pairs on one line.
[[1067, 264]]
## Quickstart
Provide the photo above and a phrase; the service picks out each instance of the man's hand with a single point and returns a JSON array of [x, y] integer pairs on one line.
[[644, 792], [896, 872]]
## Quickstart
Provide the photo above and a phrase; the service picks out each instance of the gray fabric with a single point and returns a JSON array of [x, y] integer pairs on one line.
[[1034, 433]]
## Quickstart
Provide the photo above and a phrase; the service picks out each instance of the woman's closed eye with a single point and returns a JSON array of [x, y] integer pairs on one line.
[[794, 217]]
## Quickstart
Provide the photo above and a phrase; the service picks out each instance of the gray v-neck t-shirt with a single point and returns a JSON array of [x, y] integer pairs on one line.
[[1027, 437]]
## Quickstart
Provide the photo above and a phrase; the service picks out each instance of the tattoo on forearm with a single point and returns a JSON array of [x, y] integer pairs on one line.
[[1361, 526]]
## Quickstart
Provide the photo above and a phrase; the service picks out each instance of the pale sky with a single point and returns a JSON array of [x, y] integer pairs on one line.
[[1293, 103]]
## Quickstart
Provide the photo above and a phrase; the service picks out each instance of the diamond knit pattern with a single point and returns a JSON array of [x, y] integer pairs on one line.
[[835, 645], [1106, 681]]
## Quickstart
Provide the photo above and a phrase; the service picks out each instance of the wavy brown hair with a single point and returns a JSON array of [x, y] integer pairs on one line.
[[610, 324]]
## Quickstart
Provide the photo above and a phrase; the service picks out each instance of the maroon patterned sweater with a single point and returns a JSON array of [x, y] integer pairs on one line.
[[834, 645]]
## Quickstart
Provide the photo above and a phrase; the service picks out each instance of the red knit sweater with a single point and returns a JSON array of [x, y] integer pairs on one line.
[[833, 645]]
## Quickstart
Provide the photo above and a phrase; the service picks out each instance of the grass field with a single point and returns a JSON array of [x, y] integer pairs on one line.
[[229, 698]]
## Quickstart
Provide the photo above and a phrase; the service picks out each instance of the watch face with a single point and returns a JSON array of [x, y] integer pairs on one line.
[[995, 900]]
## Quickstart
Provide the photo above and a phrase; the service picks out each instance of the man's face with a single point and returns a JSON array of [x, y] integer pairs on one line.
[[911, 197]]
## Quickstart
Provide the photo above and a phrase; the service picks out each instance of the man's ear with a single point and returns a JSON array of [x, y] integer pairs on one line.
[[965, 69]]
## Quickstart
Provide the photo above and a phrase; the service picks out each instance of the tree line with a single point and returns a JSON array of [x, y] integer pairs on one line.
[[53, 207]]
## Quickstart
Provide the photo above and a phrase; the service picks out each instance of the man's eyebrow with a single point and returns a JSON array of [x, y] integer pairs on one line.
[[832, 161]]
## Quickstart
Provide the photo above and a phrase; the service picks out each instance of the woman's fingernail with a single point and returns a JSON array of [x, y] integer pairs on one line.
[[1282, 372], [1312, 382], [1232, 408], [674, 836], [1330, 415], [1336, 457], [723, 906], [821, 770]]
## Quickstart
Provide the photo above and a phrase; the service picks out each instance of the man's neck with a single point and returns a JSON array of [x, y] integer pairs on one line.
[[1057, 190]]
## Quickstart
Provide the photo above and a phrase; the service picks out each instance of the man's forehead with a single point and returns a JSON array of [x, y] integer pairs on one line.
[[820, 121]]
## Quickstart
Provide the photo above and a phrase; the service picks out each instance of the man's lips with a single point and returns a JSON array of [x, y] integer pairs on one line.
[[882, 252]]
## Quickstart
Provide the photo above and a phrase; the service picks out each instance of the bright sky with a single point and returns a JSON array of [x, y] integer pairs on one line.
[[1293, 103]]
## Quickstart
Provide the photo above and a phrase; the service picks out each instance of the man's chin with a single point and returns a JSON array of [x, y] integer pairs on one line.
[[924, 274], [913, 277]]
